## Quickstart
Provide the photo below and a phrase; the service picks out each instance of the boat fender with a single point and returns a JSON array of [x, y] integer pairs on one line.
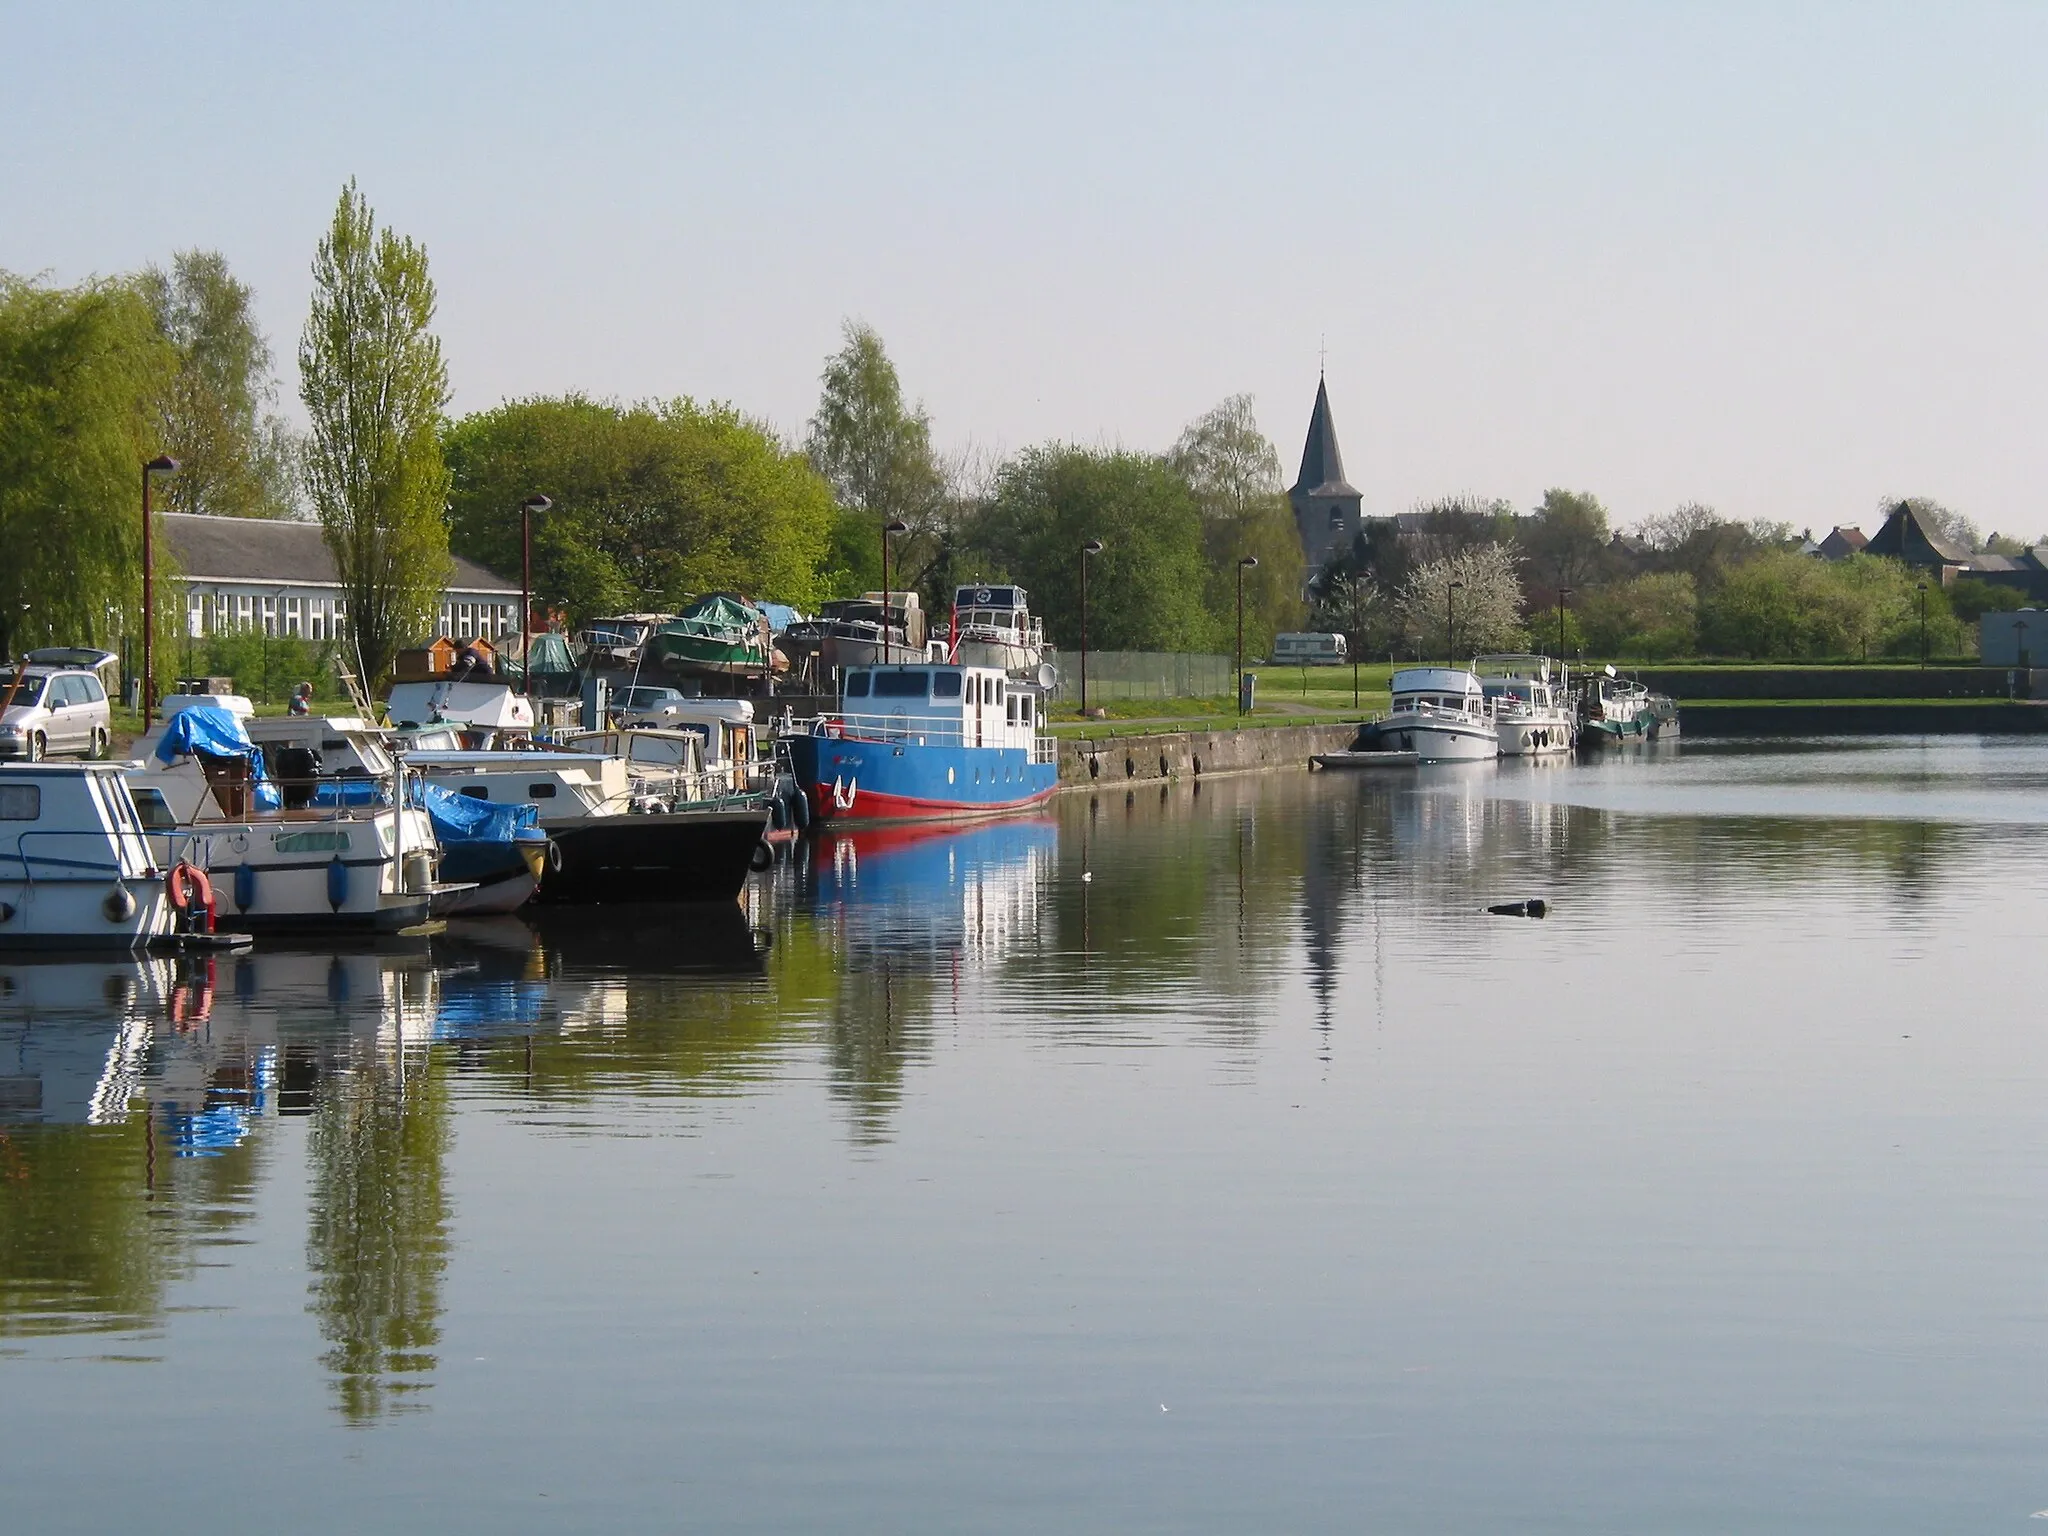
[[800, 808], [763, 857], [245, 887], [190, 893], [6, 911], [778, 814], [1534, 907], [118, 905], [337, 883]]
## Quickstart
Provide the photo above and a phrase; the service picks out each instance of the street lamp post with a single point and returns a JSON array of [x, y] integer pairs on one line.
[[1092, 547], [1562, 594], [1243, 565], [1450, 623], [163, 464], [897, 526], [1357, 641], [1923, 626], [527, 508]]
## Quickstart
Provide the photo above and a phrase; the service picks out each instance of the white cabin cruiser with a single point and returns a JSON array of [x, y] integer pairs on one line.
[[993, 626], [76, 867], [300, 852], [1531, 705], [1441, 715]]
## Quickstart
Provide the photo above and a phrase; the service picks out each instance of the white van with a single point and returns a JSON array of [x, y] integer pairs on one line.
[[1309, 650]]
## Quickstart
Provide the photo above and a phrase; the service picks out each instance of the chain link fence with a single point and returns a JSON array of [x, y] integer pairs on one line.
[[1144, 675]]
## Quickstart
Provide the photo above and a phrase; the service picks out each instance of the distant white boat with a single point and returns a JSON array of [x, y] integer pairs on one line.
[[1530, 704], [1441, 715]]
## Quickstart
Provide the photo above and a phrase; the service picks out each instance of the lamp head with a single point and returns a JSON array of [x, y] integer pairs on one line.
[[1092, 547], [535, 504], [1249, 561], [162, 464], [898, 526]]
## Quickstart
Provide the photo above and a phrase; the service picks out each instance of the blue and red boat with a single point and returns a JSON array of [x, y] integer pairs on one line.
[[926, 740]]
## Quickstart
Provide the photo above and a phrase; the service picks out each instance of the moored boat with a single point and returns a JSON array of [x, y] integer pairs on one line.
[[935, 740], [1530, 704], [993, 626], [1439, 713], [720, 635], [1613, 709], [76, 867]]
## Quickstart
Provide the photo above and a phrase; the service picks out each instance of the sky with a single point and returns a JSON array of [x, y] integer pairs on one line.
[[1783, 259]]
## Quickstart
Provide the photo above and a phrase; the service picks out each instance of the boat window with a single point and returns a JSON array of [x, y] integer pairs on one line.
[[312, 842], [541, 791], [1024, 710], [154, 810], [902, 685], [945, 685], [334, 744], [21, 802], [856, 685], [475, 791]]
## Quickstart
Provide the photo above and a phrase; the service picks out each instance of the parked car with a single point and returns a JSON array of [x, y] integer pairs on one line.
[[54, 709]]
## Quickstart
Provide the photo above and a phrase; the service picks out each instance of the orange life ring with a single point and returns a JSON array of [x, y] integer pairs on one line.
[[186, 887]]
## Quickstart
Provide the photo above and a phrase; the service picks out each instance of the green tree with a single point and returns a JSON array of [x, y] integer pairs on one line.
[[374, 383], [1565, 539], [81, 370], [876, 453], [1698, 541], [653, 503], [1234, 473], [1483, 614], [237, 458], [1653, 616], [1145, 589]]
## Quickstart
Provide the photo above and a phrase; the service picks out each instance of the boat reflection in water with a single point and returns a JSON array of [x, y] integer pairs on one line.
[[935, 890]]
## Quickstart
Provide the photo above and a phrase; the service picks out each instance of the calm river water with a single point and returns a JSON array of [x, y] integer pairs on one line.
[[1184, 1160]]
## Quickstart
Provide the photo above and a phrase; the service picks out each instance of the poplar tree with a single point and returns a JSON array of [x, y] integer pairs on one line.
[[374, 384]]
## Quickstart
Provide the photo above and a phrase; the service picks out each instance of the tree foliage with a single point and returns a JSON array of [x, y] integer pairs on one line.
[[237, 458], [1145, 588], [81, 371], [654, 503], [1234, 474], [1566, 537], [375, 384], [1484, 613], [1651, 616], [876, 453], [1788, 606]]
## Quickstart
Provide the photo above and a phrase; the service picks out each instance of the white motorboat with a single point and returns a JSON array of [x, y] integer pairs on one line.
[[993, 626], [76, 867], [1441, 715], [1530, 705], [297, 853]]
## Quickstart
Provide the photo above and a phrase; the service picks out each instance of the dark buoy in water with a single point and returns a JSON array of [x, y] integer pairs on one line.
[[1532, 908]]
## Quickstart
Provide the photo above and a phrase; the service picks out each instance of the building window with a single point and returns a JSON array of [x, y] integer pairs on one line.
[[291, 617], [316, 618], [245, 610], [465, 620], [270, 615], [447, 619], [339, 627], [195, 615]]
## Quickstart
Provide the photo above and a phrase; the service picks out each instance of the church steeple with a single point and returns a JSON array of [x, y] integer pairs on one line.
[[1322, 462], [1327, 507]]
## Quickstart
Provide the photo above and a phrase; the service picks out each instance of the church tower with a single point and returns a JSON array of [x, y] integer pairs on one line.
[[1326, 505]]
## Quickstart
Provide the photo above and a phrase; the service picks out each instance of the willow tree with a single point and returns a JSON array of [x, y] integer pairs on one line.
[[374, 384], [81, 370]]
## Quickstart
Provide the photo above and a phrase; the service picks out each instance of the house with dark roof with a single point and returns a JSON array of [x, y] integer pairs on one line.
[[1326, 505], [1907, 536], [278, 576], [1841, 543]]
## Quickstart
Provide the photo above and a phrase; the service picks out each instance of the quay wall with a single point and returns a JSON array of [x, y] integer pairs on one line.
[[1966, 718], [1095, 761]]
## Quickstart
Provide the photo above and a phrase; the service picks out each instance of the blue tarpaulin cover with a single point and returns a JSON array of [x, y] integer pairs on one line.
[[210, 729], [462, 819]]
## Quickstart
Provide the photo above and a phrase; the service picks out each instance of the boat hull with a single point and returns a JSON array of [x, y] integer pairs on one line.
[[1431, 740], [51, 912], [1534, 736], [680, 856], [860, 779]]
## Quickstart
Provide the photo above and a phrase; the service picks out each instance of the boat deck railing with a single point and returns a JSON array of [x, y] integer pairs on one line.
[[925, 732]]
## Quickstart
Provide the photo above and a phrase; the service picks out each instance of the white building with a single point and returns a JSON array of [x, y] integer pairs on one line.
[[2013, 639], [252, 573]]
